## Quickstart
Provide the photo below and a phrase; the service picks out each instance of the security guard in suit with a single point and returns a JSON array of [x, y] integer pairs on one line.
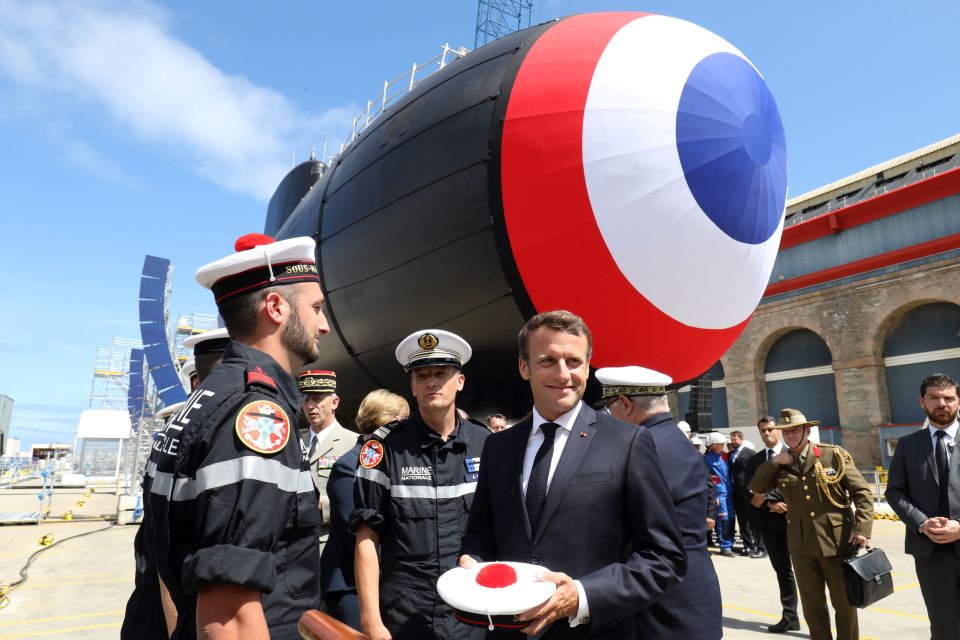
[[819, 482]]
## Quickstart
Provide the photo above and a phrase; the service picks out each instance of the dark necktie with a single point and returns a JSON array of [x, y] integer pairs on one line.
[[313, 447], [537, 485], [769, 454], [943, 477]]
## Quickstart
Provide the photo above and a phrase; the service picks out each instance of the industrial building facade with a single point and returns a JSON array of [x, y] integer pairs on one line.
[[862, 304]]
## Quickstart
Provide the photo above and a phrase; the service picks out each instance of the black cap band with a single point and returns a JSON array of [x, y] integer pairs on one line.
[[259, 278]]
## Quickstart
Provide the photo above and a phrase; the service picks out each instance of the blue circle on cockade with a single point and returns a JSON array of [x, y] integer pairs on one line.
[[732, 147]]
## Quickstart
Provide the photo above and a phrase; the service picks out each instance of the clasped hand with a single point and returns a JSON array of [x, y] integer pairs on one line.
[[942, 530]]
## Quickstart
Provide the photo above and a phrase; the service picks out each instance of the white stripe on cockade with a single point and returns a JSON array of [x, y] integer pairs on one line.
[[635, 180]]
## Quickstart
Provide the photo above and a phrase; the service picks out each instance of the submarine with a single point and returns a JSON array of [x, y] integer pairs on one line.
[[628, 167]]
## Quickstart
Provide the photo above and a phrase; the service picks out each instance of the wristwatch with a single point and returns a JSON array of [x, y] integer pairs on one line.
[[920, 528]]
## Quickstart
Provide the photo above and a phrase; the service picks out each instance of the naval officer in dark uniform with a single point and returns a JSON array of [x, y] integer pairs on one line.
[[414, 489], [691, 609], [819, 483], [150, 612], [235, 510]]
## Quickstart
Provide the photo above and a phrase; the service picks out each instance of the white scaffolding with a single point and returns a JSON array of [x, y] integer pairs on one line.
[[111, 375], [189, 325]]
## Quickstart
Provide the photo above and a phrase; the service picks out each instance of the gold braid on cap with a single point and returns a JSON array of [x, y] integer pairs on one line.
[[827, 485], [610, 391]]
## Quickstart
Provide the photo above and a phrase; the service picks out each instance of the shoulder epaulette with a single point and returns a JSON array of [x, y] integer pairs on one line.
[[258, 377], [386, 429]]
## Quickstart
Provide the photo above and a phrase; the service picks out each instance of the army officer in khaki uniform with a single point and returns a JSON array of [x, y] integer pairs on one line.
[[326, 440], [829, 510]]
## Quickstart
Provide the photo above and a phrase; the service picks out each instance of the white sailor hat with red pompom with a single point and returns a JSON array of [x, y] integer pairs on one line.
[[260, 262], [493, 594]]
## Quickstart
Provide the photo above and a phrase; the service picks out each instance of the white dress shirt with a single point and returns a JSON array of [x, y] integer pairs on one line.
[[949, 440], [559, 442], [536, 439], [321, 437], [777, 448]]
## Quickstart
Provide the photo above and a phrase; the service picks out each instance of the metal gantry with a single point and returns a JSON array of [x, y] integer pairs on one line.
[[497, 18], [111, 375]]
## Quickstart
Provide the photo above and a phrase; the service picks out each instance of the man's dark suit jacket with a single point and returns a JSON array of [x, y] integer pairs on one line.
[[738, 473], [913, 490], [761, 518], [691, 609], [607, 521]]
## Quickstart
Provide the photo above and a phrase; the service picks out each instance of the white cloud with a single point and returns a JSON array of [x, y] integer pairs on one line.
[[122, 58], [83, 155]]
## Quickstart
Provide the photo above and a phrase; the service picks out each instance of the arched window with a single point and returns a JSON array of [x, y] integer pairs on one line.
[[799, 374], [924, 341]]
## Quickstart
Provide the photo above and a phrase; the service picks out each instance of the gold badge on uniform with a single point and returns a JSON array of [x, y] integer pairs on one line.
[[428, 341]]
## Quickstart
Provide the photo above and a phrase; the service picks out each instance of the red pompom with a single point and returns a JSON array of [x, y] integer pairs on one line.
[[496, 576], [251, 240]]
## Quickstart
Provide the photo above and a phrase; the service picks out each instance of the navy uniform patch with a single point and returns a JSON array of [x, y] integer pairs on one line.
[[371, 454], [263, 426], [473, 469]]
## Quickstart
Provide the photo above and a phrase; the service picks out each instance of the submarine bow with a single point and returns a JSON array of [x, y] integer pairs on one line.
[[628, 167]]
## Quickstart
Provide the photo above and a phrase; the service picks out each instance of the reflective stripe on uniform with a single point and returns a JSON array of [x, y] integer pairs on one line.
[[373, 475], [435, 493], [228, 472], [151, 469]]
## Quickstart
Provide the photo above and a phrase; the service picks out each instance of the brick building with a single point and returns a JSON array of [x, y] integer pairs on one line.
[[862, 304]]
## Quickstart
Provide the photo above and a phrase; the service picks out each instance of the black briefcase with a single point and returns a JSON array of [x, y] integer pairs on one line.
[[868, 577]]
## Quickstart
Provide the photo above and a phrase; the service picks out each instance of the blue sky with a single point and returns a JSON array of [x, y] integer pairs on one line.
[[132, 128]]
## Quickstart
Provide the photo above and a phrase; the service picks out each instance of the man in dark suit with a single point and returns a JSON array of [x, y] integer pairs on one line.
[[739, 454], [691, 609], [768, 519], [578, 492], [923, 487]]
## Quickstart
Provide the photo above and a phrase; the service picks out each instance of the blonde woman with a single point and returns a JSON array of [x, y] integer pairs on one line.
[[337, 583]]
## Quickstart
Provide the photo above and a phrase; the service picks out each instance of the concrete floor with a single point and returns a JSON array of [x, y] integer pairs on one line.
[[79, 588]]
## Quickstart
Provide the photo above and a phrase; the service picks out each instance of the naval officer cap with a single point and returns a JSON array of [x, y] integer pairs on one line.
[[260, 262], [433, 348], [213, 341], [632, 381], [317, 381]]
